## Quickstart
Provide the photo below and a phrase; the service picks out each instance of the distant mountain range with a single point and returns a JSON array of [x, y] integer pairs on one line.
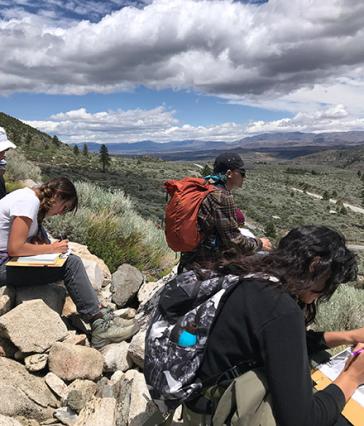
[[265, 140]]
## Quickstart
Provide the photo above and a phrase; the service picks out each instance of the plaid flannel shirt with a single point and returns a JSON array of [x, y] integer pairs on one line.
[[220, 230]]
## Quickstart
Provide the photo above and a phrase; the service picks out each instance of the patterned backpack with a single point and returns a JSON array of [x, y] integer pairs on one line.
[[177, 335]]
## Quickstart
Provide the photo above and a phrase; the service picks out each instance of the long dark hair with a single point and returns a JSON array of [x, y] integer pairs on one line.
[[58, 188], [302, 256]]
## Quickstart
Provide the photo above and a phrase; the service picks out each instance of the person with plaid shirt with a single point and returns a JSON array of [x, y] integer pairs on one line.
[[217, 217]]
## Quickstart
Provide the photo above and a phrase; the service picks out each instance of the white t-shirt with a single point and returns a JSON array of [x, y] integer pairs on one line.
[[22, 202]]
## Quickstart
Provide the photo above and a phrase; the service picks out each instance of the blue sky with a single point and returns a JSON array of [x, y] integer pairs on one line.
[[123, 70]]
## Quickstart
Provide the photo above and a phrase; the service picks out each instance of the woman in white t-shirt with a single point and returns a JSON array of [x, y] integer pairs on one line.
[[21, 234]]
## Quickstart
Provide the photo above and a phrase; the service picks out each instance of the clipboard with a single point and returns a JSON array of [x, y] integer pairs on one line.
[[353, 411], [59, 262]]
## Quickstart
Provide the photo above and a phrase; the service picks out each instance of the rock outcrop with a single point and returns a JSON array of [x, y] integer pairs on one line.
[[49, 374]]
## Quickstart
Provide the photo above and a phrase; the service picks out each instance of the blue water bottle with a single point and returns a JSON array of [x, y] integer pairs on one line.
[[186, 338]]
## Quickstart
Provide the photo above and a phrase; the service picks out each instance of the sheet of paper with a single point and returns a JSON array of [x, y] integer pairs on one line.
[[246, 232], [334, 367], [51, 257]]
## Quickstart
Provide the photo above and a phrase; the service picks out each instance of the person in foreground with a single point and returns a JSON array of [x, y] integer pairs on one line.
[[21, 234], [263, 321], [217, 219]]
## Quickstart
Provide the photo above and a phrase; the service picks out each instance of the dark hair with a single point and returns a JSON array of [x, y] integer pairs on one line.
[[58, 188], [303, 255]]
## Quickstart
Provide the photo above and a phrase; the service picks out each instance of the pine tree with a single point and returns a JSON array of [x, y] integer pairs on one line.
[[56, 141], [326, 196], [85, 150], [28, 139], [270, 230], [104, 157], [76, 149], [206, 171]]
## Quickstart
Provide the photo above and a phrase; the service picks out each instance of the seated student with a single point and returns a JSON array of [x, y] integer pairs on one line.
[[21, 216], [217, 216], [264, 319]]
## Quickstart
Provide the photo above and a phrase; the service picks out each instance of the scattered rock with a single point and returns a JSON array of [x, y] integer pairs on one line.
[[7, 299], [75, 339], [116, 357], [148, 289], [136, 349], [9, 421], [79, 393], [28, 422], [36, 362], [70, 362], [23, 394], [69, 308], [57, 385], [126, 282], [94, 273], [32, 326], [126, 313], [98, 411], [53, 295], [67, 416]]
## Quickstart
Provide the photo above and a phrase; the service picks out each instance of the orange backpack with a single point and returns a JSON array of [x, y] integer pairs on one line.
[[181, 212]]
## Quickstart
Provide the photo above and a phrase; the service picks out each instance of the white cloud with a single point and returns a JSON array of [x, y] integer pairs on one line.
[[333, 119], [218, 46], [156, 124]]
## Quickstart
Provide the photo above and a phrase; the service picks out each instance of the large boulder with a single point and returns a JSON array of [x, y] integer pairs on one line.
[[126, 282], [32, 326], [98, 411], [83, 252], [7, 299], [136, 349], [70, 362], [8, 421], [23, 394], [53, 295]]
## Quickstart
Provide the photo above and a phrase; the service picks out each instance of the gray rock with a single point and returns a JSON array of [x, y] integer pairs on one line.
[[98, 411], [32, 326], [8, 421], [57, 385], [116, 357], [126, 282], [75, 339], [53, 295], [67, 416], [23, 394], [79, 393], [36, 362], [7, 299], [70, 362], [136, 349]]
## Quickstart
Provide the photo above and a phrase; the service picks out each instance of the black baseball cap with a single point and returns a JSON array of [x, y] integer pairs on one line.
[[229, 161]]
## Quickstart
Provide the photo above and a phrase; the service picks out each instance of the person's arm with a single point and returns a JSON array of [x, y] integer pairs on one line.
[[18, 245], [283, 347], [349, 337], [227, 226]]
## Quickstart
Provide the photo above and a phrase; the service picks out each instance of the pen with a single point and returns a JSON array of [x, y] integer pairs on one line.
[[359, 351]]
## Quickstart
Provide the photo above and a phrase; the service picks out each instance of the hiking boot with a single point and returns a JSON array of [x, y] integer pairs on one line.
[[111, 330]]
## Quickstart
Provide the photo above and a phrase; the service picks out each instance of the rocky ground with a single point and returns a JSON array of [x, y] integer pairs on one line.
[[49, 374]]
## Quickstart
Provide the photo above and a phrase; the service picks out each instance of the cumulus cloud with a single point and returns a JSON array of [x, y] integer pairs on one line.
[[222, 47], [158, 124], [332, 119]]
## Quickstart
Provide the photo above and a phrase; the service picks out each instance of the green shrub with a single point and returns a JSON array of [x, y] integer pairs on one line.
[[107, 223], [19, 168], [344, 311]]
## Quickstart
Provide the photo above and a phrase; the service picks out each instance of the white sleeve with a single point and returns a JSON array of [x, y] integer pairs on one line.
[[27, 206]]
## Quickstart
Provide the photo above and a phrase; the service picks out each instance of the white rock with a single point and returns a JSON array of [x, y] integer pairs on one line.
[[8, 421], [7, 299], [116, 357], [57, 385], [136, 349], [147, 290], [79, 393], [36, 362], [94, 272], [67, 416], [32, 326], [99, 411]]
